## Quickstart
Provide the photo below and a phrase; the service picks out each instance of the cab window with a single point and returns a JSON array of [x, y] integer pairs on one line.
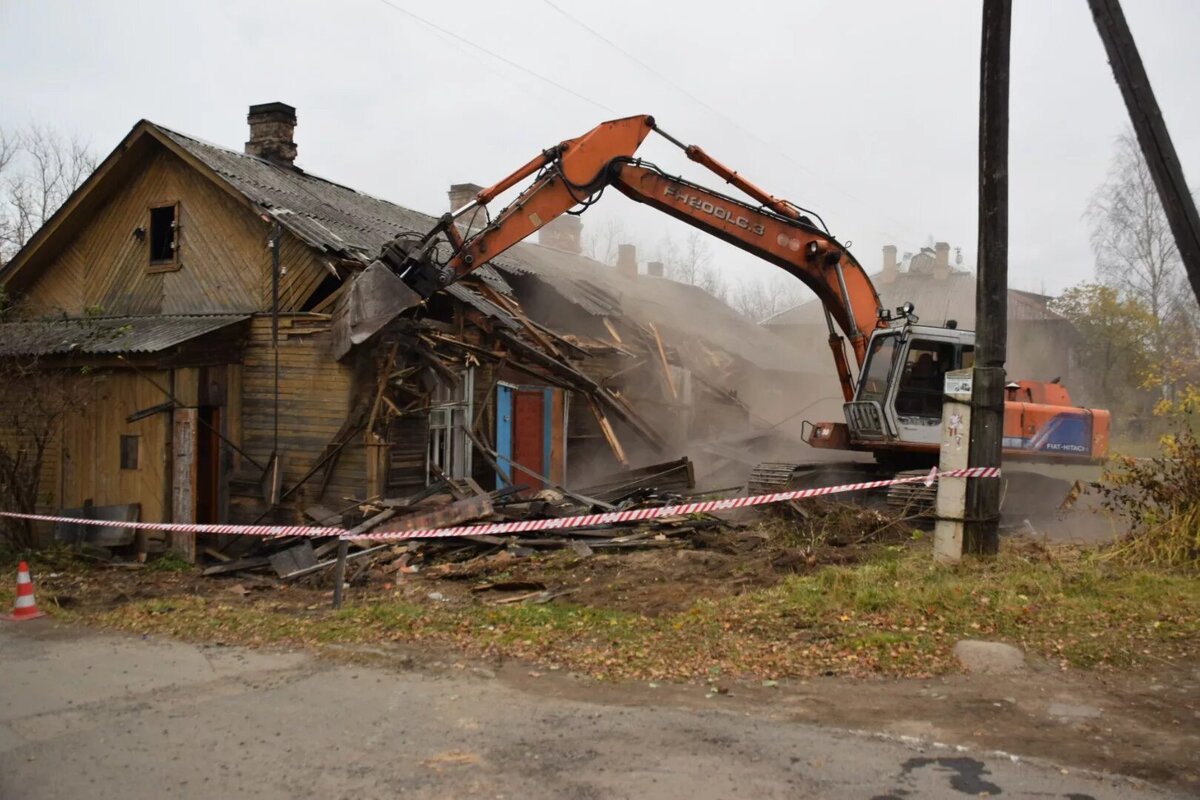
[[882, 353], [923, 378]]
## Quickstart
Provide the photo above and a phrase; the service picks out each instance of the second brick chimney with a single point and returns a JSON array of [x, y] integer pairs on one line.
[[462, 193], [627, 260], [889, 263], [563, 233], [655, 269], [272, 133], [941, 260]]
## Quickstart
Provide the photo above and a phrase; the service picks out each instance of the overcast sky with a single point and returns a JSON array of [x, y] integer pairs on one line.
[[865, 111]]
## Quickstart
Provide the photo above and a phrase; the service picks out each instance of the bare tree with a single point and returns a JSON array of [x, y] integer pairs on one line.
[[602, 241], [690, 261], [760, 300], [34, 401], [39, 169], [1135, 250]]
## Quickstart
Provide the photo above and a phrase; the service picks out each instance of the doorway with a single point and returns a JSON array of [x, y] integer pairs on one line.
[[530, 435], [208, 465]]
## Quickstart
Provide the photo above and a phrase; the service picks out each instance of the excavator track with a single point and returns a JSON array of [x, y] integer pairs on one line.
[[1025, 494], [778, 476], [911, 499]]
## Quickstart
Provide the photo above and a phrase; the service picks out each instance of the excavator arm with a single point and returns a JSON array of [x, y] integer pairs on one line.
[[574, 172]]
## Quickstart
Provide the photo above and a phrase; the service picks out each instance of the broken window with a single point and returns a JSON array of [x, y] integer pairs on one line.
[[129, 452], [450, 414], [162, 235]]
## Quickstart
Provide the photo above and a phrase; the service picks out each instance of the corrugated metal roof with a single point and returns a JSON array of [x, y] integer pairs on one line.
[[474, 298], [345, 223], [328, 216], [108, 335]]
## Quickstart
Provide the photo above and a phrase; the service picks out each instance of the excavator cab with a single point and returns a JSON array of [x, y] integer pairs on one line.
[[899, 393]]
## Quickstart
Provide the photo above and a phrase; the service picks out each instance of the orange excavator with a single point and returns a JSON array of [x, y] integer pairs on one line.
[[893, 407]]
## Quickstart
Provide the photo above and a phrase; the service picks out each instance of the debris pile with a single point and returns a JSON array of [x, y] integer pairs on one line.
[[448, 503]]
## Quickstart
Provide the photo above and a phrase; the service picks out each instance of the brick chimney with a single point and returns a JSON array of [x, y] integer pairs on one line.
[[627, 260], [655, 269], [462, 193], [563, 233], [272, 132], [890, 269], [941, 260]]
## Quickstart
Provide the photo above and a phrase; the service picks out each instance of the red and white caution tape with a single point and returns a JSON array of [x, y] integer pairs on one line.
[[186, 527], [526, 526]]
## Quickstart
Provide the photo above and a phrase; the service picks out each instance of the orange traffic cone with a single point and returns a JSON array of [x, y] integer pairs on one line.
[[26, 606]]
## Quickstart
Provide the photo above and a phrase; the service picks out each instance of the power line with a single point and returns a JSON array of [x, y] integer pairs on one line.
[[711, 109], [497, 56]]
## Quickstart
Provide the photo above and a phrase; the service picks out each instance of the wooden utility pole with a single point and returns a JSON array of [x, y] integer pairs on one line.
[[1151, 134], [981, 528]]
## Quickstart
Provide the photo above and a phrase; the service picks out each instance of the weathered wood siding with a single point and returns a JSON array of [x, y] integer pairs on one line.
[[225, 263], [315, 397], [91, 445]]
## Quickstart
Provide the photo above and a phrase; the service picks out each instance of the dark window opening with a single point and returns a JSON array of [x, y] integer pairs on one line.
[[923, 379], [328, 286], [129, 452], [162, 235]]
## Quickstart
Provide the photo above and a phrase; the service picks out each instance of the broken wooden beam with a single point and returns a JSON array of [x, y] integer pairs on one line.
[[454, 514], [610, 435], [662, 360]]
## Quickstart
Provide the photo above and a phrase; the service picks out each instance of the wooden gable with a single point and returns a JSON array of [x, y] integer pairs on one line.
[[94, 255]]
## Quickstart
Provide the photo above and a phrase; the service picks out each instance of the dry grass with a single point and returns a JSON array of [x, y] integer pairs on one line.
[[896, 613]]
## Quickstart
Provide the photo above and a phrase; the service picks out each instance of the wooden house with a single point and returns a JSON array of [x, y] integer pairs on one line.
[[190, 292]]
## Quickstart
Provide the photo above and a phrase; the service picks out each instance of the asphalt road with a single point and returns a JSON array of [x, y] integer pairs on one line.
[[90, 715]]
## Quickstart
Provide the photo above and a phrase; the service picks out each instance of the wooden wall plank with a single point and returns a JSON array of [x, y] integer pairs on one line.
[[315, 397]]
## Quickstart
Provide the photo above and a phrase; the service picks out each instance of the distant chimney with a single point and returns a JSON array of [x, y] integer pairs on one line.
[[941, 260], [462, 193], [272, 132], [563, 233], [889, 263], [655, 269], [627, 260]]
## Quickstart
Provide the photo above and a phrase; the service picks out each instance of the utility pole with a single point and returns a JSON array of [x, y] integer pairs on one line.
[[1151, 134], [981, 529]]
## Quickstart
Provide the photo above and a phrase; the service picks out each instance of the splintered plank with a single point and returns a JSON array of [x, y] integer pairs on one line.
[[610, 435], [662, 360]]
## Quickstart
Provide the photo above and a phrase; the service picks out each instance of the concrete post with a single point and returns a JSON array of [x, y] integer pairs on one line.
[[952, 492]]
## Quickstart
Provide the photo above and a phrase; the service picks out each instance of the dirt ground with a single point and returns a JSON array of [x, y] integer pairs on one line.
[[1143, 723]]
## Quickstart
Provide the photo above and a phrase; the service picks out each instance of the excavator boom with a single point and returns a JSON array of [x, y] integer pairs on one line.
[[573, 172], [895, 411]]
